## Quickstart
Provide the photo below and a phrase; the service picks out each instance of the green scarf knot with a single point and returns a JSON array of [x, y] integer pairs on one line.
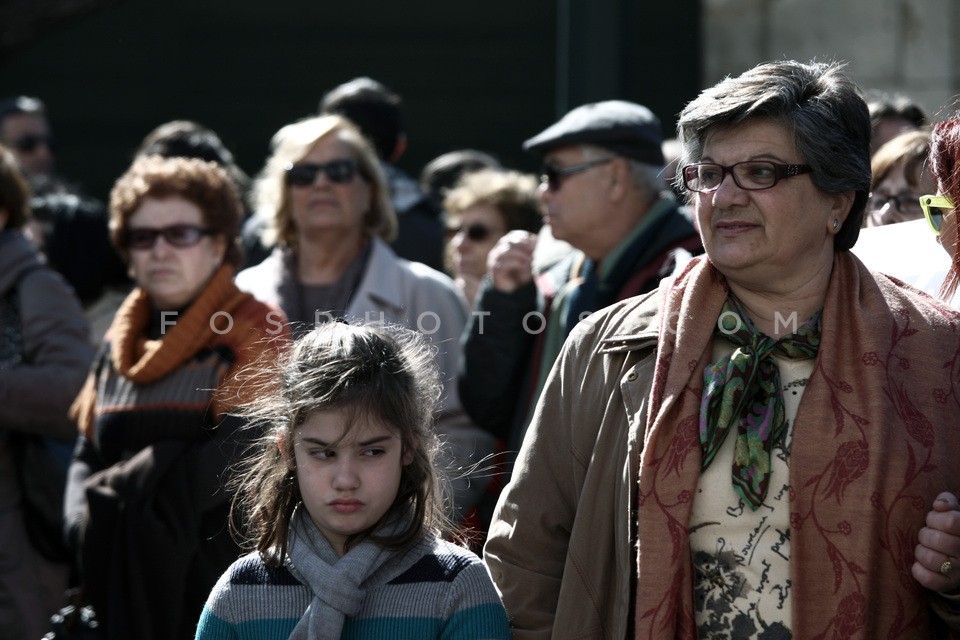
[[744, 389]]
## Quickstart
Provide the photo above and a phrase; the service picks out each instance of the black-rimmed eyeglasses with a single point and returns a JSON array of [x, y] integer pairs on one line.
[[553, 177], [752, 175], [907, 203]]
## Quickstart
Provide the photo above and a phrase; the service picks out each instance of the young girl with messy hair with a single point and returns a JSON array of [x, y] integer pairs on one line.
[[342, 506]]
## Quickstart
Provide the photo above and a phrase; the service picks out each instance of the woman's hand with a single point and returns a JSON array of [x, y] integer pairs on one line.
[[936, 563]]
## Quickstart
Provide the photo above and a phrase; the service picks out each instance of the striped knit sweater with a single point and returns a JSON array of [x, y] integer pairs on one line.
[[434, 590]]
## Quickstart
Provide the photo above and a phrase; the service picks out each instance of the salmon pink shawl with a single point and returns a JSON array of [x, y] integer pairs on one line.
[[876, 438]]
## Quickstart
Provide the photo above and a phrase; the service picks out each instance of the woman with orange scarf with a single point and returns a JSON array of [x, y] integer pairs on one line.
[[767, 445], [146, 509]]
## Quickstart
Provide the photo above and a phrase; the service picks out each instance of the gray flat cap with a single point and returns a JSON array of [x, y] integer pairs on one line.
[[626, 128]]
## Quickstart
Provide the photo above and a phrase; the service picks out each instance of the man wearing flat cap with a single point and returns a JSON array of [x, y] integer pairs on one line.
[[603, 192]]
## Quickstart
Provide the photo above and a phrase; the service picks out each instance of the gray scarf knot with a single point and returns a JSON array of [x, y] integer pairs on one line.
[[336, 582]]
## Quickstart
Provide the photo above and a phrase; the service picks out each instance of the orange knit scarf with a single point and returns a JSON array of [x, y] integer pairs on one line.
[[874, 441], [220, 306]]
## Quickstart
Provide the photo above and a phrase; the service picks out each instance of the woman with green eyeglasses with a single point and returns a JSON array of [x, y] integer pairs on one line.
[[939, 209]]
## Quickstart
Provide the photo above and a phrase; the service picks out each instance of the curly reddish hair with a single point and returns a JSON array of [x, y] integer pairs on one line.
[[202, 183], [945, 165]]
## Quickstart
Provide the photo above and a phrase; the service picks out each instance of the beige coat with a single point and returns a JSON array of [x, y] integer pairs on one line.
[[567, 573], [561, 548]]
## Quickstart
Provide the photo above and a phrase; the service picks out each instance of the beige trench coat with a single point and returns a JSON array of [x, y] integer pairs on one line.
[[560, 547]]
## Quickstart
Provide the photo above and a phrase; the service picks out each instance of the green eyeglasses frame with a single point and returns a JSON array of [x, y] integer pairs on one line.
[[935, 218]]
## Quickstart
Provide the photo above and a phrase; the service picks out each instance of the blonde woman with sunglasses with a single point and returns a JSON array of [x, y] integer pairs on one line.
[[331, 221]]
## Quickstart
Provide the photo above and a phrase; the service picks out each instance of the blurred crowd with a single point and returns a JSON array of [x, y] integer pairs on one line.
[[129, 324]]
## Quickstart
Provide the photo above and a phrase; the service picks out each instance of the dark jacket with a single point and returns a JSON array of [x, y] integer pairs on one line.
[[503, 351], [160, 521]]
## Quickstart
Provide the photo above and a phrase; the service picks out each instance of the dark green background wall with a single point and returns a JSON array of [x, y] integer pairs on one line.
[[472, 74]]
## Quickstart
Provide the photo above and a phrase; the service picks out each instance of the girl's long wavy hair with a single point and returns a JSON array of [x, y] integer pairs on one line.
[[372, 371]]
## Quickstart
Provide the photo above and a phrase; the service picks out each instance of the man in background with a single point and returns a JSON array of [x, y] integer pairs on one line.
[[603, 192], [24, 130]]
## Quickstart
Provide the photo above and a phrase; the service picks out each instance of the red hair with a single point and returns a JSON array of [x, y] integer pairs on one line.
[[945, 164]]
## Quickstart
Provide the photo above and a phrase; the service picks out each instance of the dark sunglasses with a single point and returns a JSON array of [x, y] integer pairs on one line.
[[176, 235], [29, 143], [553, 176], [303, 174], [475, 232]]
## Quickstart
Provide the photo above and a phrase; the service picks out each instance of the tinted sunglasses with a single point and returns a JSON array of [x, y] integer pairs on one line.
[[933, 210], [304, 174], [176, 235], [553, 177], [29, 143], [475, 232]]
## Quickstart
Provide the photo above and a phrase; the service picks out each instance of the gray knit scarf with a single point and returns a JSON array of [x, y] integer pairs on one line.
[[335, 581]]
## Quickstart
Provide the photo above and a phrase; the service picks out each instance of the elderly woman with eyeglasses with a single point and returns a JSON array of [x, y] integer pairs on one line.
[[331, 219], [766, 444], [482, 207], [146, 510], [899, 177]]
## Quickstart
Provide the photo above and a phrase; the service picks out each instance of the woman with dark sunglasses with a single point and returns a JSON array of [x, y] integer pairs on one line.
[[480, 209], [145, 509], [331, 219]]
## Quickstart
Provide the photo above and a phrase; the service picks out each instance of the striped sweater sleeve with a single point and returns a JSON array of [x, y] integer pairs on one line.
[[475, 610], [251, 601]]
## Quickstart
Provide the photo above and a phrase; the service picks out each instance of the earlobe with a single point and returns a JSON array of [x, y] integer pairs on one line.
[[287, 456], [840, 210]]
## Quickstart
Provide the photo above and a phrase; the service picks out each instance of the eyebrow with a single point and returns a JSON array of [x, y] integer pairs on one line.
[[362, 443], [761, 156]]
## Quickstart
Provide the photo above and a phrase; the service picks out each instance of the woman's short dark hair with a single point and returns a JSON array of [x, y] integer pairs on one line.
[[189, 139], [823, 107]]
